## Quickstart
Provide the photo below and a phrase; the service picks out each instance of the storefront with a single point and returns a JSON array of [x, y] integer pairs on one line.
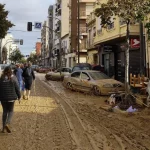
[[112, 57]]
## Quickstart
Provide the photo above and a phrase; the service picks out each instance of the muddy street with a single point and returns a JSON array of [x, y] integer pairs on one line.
[[58, 119]]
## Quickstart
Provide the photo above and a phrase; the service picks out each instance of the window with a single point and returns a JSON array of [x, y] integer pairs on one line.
[[65, 70], [94, 31], [75, 75], [122, 21], [84, 76], [111, 25]]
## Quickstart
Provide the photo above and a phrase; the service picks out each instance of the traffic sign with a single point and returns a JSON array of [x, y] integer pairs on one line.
[[38, 25]]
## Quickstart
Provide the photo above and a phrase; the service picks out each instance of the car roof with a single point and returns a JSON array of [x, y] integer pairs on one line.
[[86, 71]]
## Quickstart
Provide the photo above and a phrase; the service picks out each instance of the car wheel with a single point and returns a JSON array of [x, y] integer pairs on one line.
[[96, 91], [69, 86]]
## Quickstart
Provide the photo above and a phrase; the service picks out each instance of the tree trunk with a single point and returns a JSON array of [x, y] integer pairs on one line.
[[127, 61]]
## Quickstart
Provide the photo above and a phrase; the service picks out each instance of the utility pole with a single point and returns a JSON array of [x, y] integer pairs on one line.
[[78, 31]]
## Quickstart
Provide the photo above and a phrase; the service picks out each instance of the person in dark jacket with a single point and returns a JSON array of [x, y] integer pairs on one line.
[[9, 92], [29, 76]]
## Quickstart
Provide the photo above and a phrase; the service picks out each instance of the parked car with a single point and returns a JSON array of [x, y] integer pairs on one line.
[[44, 69], [82, 66], [92, 81], [98, 68], [58, 74], [34, 67]]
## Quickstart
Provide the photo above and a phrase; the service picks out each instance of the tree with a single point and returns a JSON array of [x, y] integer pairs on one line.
[[131, 11], [4, 23], [23, 60], [32, 58], [16, 56]]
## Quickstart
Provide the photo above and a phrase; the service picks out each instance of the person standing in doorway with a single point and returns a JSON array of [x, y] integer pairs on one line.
[[9, 92], [29, 76]]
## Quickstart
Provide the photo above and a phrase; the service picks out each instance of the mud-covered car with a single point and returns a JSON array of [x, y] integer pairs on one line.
[[58, 74], [44, 69], [92, 81]]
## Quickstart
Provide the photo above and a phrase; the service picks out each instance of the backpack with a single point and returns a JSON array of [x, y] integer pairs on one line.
[[28, 72]]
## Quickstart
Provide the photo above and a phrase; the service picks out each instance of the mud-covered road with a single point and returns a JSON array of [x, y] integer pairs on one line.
[[57, 119]]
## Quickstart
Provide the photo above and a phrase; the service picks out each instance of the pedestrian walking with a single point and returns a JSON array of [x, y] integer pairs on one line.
[[18, 73], [9, 92], [29, 77]]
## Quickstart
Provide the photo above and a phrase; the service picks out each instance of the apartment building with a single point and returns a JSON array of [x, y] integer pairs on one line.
[[38, 48], [92, 51], [106, 46], [43, 45], [7, 48], [85, 8], [56, 34], [50, 45]]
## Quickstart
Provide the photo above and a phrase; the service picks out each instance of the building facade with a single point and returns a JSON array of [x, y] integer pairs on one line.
[[7, 47], [106, 46], [85, 7]]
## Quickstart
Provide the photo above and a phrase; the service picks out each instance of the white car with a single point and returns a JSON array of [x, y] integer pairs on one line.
[[58, 74]]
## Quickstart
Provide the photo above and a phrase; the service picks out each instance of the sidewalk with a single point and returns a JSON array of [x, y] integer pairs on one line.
[[38, 123]]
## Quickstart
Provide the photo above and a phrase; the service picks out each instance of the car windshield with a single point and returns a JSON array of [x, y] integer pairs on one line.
[[98, 75], [81, 68]]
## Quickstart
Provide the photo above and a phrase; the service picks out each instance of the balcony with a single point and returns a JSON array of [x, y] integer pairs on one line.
[[91, 18], [83, 46], [82, 14], [115, 31], [83, 31]]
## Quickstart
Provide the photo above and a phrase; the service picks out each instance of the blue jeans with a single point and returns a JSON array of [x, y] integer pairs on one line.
[[8, 108], [21, 85]]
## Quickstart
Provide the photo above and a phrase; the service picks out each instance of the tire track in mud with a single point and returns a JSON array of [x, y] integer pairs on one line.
[[82, 139], [105, 140], [113, 135]]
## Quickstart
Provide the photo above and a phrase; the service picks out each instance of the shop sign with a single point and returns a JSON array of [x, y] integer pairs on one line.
[[108, 48], [135, 43]]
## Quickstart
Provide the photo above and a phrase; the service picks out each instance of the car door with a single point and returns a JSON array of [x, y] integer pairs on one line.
[[75, 80], [85, 82]]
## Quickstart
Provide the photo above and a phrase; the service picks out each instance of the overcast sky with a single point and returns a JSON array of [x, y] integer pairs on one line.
[[23, 11]]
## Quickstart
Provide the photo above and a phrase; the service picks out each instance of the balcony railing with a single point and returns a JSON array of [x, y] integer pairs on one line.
[[82, 30], [82, 45], [82, 13]]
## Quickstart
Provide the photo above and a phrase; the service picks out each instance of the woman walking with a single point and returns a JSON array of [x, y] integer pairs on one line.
[[9, 92], [29, 76]]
